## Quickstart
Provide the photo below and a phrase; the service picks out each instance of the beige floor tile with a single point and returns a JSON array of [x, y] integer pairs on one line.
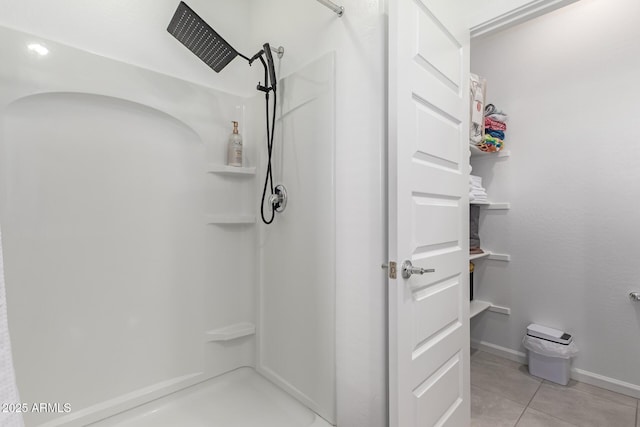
[[597, 391], [491, 410], [581, 408], [503, 377], [533, 418], [490, 358]]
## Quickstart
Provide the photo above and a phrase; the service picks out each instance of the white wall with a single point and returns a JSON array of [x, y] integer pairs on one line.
[[569, 82], [308, 30], [136, 32], [297, 297]]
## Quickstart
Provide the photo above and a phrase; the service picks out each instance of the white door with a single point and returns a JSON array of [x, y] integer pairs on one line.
[[428, 213]]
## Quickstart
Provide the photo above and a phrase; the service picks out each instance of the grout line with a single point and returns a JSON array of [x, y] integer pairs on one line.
[[527, 406], [520, 417], [534, 394], [505, 397], [637, 406]]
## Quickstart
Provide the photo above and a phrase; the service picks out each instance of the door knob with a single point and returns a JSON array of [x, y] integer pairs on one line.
[[634, 296], [408, 269]]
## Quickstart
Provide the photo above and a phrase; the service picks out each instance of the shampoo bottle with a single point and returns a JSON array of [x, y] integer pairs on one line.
[[234, 151]]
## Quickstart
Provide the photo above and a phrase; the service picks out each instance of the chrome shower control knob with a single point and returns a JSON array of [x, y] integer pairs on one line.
[[408, 269], [634, 296], [278, 199]]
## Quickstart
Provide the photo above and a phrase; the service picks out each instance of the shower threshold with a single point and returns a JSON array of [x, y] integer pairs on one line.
[[240, 398]]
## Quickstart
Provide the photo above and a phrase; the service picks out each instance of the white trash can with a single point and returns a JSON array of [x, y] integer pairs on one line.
[[550, 353]]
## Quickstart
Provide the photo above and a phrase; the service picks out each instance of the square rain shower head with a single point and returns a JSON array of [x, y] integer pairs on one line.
[[197, 36]]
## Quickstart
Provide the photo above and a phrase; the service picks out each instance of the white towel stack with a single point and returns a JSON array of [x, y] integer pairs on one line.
[[477, 193]]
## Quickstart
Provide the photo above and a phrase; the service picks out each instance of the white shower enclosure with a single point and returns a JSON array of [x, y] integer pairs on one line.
[[135, 261]]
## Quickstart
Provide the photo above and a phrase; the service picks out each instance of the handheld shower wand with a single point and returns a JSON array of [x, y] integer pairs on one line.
[[197, 36]]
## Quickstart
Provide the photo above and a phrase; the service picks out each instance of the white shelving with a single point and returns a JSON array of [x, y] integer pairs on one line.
[[231, 219], [478, 256], [230, 332], [478, 307], [498, 206], [230, 170], [490, 255], [492, 205], [476, 152]]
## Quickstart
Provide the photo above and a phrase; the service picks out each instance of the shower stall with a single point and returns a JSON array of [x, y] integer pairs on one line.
[[138, 272]]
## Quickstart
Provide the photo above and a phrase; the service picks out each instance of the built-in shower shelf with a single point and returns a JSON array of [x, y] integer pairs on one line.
[[230, 170], [231, 332], [231, 219]]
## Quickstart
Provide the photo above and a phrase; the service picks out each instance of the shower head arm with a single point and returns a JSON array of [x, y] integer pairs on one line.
[[254, 57]]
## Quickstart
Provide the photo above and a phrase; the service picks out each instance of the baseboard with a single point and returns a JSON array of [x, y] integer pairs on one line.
[[601, 381], [497, 350], [581, 375]]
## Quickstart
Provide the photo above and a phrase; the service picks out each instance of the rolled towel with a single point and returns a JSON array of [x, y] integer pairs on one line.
[[491, 111], [496, 133], [496, 142], [489, 123]]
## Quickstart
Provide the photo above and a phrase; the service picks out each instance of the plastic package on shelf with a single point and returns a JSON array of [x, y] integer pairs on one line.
[[550, 349], [478, 93]]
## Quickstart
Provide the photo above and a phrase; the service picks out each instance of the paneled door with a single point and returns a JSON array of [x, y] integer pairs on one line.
[[428, 213]]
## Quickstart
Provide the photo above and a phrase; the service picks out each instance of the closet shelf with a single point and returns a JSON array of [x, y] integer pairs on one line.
[[230, 170], [476, 152], [492, 205], [478, 256], [230, 332], [231, 219], [490, 255], [476, 307]]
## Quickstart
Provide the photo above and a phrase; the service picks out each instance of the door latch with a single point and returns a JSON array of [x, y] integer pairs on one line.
[[393, 269]]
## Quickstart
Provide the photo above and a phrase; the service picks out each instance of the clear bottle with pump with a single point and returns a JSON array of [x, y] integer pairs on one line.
[[234, 150]]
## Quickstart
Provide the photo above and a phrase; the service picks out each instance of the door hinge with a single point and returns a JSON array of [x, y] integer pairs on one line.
[[393, 269]]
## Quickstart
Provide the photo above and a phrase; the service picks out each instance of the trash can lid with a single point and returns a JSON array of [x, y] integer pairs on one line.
[[549, 334]]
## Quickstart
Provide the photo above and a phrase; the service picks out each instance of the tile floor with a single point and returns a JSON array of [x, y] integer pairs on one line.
[[503, 394]]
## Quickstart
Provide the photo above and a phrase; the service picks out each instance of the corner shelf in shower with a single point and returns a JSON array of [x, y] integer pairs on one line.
[[231, 219], [231, 332], [230, 170]]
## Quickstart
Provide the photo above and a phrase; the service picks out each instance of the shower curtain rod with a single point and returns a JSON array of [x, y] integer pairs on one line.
[[339, 10]]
